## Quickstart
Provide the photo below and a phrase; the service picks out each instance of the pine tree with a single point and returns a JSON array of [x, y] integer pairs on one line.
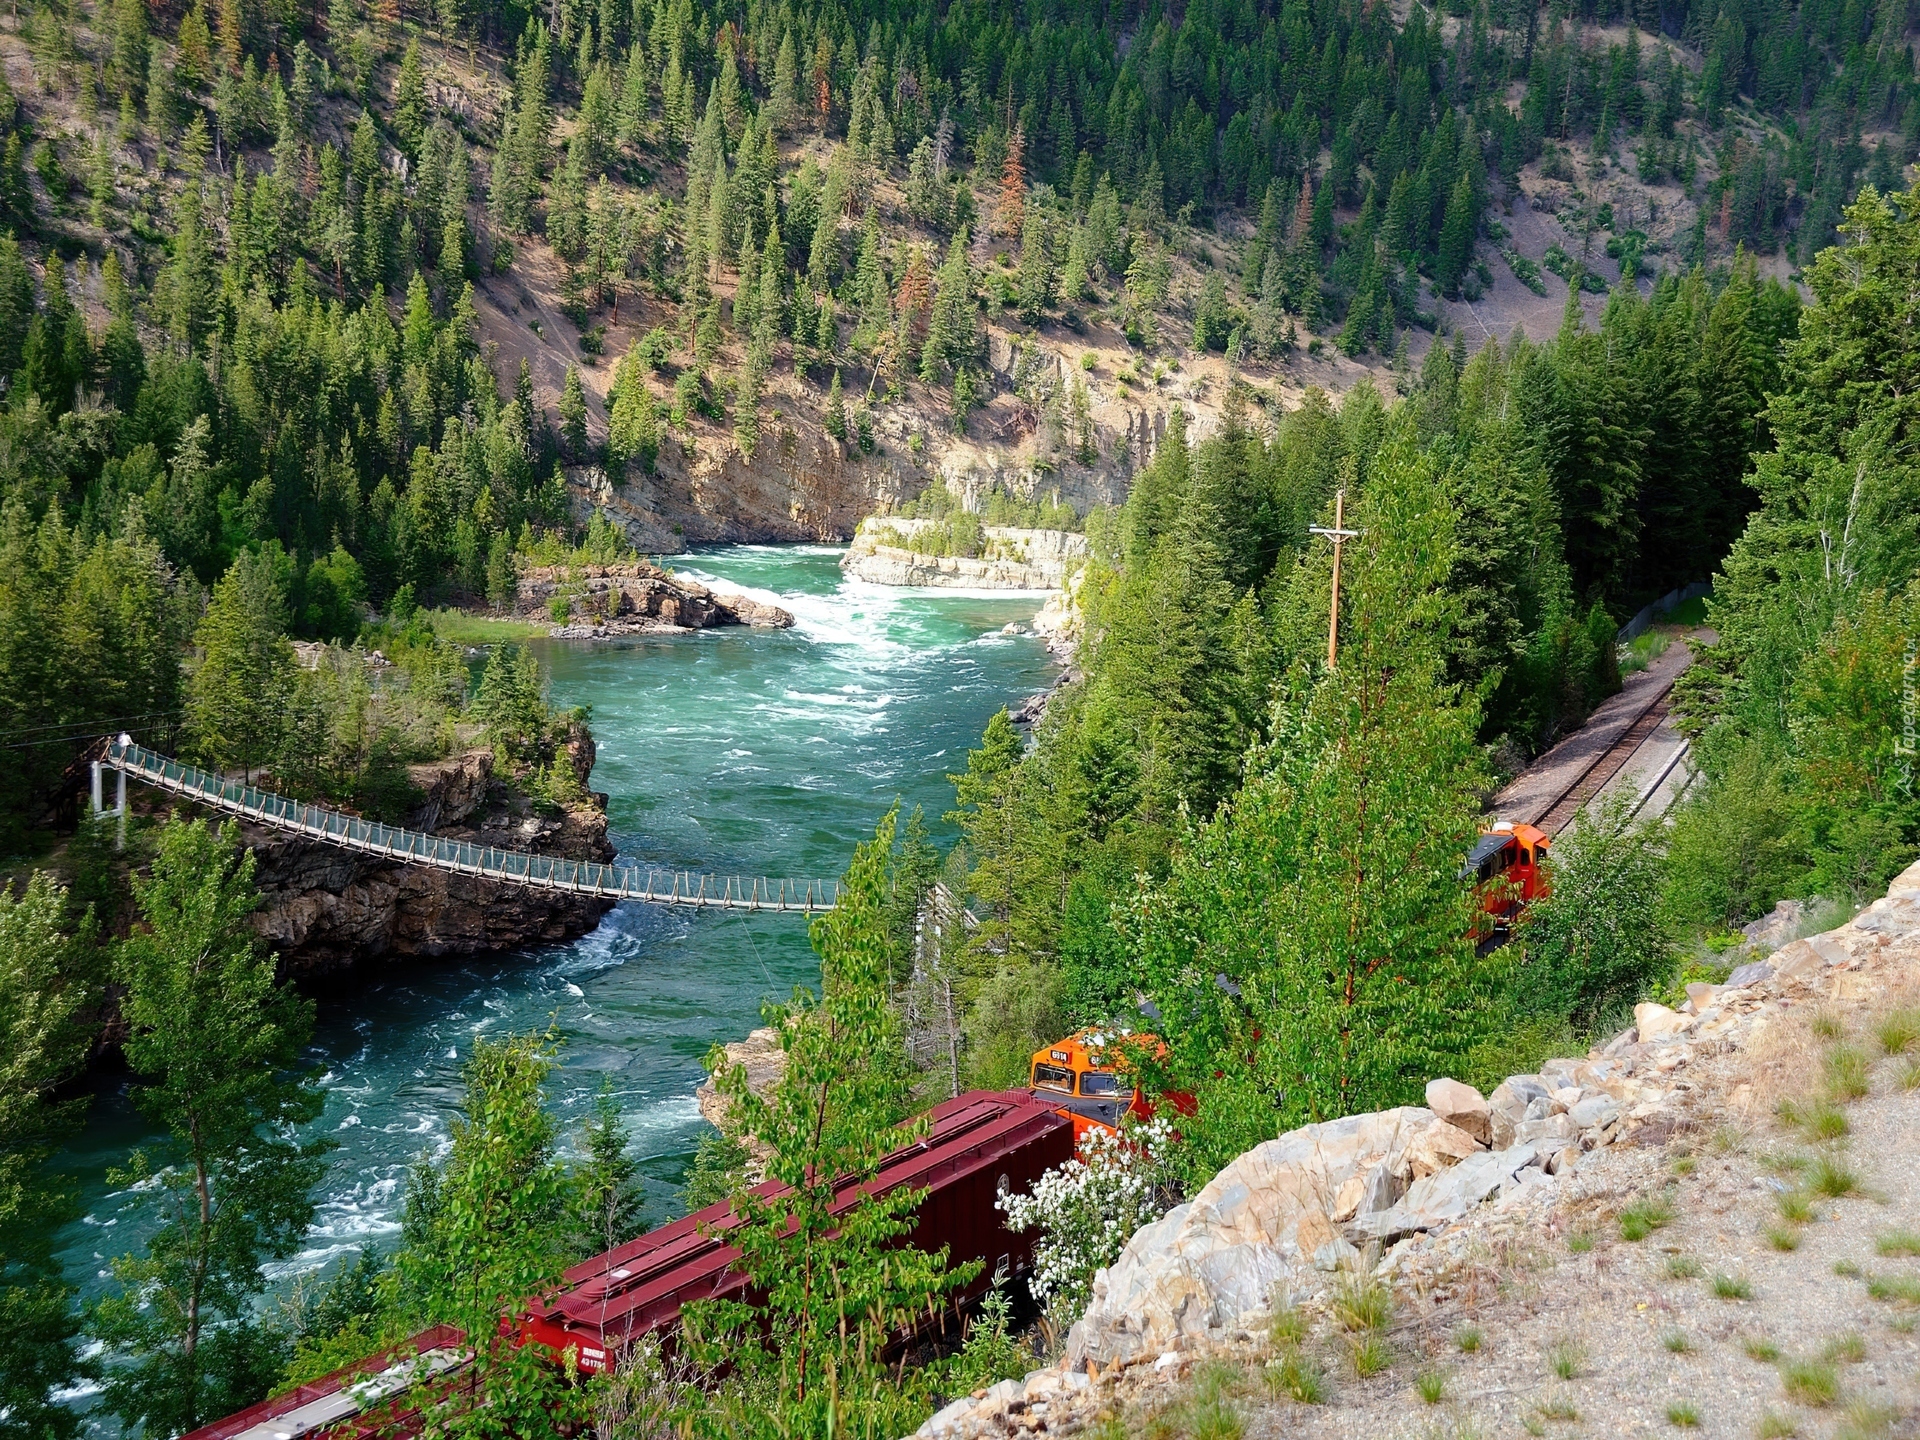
[[607, 1207], [237, 695], [836, 412], [216, 1044], [1034, 280], [573, 416], [130, 51], [1013, 186], [410, 100], [746, 409], [950, 330], [1456, 237], [784, 103]]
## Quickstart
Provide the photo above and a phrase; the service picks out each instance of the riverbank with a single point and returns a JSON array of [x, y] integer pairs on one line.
[[889, 550], [730, 750]]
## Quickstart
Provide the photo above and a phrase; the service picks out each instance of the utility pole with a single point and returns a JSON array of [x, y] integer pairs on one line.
[[1339, 536]]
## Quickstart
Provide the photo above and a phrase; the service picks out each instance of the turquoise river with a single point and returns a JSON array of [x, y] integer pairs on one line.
[[732, 751]]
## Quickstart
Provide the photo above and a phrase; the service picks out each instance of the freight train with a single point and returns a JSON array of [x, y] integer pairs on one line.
[[976, 1147]]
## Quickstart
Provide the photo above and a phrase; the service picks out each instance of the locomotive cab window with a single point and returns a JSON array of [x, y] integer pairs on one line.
[[1096, 1082], [1053, 1077]]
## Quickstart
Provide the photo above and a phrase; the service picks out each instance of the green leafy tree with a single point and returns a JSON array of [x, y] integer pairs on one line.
[[1327, 892], [216, 1044], [1600, 940], [837, 1282], [486, 1231], [43, 985]]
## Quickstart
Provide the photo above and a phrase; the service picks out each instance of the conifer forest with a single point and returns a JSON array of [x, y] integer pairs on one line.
[[326, 330]]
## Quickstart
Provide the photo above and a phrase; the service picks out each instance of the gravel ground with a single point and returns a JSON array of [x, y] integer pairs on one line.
[[1649, 1351]]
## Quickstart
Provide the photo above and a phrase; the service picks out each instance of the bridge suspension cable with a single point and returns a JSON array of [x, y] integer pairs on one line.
[[415, 847]]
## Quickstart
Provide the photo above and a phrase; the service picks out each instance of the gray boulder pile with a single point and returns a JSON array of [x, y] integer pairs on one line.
[[1408, 1191]]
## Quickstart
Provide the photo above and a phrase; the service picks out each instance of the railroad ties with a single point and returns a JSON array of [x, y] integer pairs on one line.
[[415, 847]]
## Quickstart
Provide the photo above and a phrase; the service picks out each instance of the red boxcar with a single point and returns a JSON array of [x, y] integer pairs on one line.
[[975, 1145], [376, 1395]]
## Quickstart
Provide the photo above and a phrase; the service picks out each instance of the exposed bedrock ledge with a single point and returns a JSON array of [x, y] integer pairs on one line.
[[1014, 558], [329, 912]]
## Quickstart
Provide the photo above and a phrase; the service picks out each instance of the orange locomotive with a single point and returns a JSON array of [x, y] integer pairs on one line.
[[1085, 1085], [1505, 867]]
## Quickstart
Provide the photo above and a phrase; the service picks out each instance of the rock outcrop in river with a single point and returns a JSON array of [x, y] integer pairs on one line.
[[329, 911], [1010, 558], [636, 599]]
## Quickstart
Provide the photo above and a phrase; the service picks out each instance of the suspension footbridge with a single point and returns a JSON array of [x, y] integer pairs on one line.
[[416, 847]]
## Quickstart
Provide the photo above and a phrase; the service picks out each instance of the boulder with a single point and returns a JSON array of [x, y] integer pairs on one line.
[[1462, 1105], [1509, 1106], [1439, 1146], [1254, 1227], [1751, 973], [757, 613], [1444, 1196], [1595, 1110], [1657, 1022], [1700, 996]]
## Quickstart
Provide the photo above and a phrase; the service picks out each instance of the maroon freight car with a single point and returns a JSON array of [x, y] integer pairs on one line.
[[976, 1145], [374, 1396]]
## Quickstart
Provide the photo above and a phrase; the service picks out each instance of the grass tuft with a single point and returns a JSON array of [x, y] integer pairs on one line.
[[1731, 1287], [1682, 1414], [1897, 1243], [1556, 1407], [1684, 1165], [1431, 1386], [1677, 1341], [1683, 1267], [1864, 1420], [1832, 1177], [1580, 1242], [1758, 1347], [1369, 1355], [1564, 1358], [1900, 1289], [1823, 1120], [1782, 1238], [1362, 1303], [1848, 1349], [1468, 1339], [1297, 1377], [1644, 1216], [1846, 1073], [1810, 1382], [1795, 1205], [1899, 1032], [1775, 1427], [1910, 1074], [1846, 1269], [1289, 1327], [1826, 1024]]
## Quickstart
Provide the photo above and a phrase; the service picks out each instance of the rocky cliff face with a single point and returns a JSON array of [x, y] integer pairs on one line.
[[329, 912], [637, 599], [1012, 559]]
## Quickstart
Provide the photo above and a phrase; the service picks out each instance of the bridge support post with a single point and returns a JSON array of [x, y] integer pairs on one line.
[[97, 805], [120, 809]]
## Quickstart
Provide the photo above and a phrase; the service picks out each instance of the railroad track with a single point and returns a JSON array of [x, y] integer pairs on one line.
[[1609, 763]]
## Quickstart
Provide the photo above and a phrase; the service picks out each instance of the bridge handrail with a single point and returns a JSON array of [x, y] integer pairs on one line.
[[418, 847]]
